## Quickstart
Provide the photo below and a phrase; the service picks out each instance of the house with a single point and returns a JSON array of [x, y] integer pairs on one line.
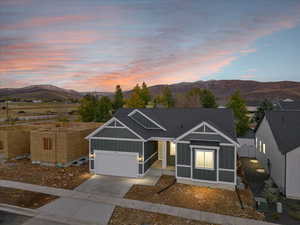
[[60, 144], [278, 149], [286, 105], [198, 145], [247, 145]]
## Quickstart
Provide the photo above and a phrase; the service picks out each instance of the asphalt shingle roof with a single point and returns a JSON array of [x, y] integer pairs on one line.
[[285, 126], [177, 121]]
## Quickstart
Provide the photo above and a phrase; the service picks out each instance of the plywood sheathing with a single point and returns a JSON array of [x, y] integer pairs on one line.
[[67, 141]]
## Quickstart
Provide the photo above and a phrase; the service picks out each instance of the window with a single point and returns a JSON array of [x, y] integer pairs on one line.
[[204, 159], [47, 143], [264, 148], [260, 146], [172, 148], [1, 145]]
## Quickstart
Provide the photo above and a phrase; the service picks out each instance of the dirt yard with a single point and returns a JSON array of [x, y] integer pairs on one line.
[[25, 199], [24, 171], [125, 216], [195, 197]]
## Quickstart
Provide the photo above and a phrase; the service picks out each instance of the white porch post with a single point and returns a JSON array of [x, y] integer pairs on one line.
[[164, 161]]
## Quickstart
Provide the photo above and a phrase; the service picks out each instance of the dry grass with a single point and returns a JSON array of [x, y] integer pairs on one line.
[[125, 216], [25, 199], [24, 171], [196, 197]]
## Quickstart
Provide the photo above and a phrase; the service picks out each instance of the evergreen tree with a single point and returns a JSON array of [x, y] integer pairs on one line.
[[135, 100], [145, 94], [238, 105], [87, 108], [193, 98], [167, 98], [208, 99], [118, 101], [264, 106], [103, 109]]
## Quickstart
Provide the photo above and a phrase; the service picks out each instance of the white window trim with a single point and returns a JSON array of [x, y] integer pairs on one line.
[[204, 150]]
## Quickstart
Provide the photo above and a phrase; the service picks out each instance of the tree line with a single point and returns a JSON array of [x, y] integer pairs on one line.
[[101, 109]]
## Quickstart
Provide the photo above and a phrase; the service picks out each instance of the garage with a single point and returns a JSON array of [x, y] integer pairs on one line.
[[115, 163]]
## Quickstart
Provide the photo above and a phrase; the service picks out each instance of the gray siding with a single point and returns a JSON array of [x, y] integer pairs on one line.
[[140, 168], [277, 160], [207, 129], [226, 176], [210, 137], [92, 164], [183, 154], [150, 147], [183, 172], [226, 157], [116, 133], [144, 121], [203, 174], [114, 145]]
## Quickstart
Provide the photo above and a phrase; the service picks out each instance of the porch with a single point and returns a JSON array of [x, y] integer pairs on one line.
[[165, 163]]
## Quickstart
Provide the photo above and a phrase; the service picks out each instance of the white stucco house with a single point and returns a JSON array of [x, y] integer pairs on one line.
[[277, 141]]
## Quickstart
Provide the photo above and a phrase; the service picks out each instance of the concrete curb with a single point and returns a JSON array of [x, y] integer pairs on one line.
[[37, 214]]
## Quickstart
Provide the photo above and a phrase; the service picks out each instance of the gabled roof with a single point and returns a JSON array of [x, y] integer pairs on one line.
[[285, 126], [178, 121]]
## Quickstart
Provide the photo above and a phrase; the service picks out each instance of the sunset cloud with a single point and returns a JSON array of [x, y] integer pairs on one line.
[[100, 44]]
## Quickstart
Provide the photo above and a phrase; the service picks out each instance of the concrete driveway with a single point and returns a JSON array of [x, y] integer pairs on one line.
[[112, 185], [7, 218]]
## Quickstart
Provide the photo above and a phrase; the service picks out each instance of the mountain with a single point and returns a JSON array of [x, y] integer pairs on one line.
[[252, 91], [43, 92]]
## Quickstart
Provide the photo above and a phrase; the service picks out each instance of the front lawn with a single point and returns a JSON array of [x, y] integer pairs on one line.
[[196, 197], [27, 199], [24, 171]]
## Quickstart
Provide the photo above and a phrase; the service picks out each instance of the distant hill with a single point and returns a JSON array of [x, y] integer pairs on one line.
[[252, 91], [43, 92]]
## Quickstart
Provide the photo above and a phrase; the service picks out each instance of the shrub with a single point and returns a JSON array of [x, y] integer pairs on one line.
[[275, 216]]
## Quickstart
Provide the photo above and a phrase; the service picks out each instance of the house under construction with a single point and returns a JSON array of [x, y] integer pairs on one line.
[[60, 145], [46, 143]]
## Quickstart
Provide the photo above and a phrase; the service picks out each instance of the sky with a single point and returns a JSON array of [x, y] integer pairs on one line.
[[93, 45]]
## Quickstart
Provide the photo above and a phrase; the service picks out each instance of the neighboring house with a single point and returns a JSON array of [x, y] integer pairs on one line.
[[278, 148], [287, 105], [247, 145], [198, 144]]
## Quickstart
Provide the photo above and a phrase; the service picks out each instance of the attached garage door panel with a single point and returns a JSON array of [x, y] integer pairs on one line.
[[116, 163]]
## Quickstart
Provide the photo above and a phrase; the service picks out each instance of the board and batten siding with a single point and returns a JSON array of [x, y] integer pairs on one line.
[[292, 174], [277, 160], [226, 161]]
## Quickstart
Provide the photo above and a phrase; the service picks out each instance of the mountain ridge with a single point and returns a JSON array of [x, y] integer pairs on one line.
[[251, 90]]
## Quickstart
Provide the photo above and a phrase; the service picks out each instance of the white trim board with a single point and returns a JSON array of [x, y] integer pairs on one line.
[[212, 128], [116, 139], [147, 117]]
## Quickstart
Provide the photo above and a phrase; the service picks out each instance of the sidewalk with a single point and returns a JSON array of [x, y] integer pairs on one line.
[[141, 205]]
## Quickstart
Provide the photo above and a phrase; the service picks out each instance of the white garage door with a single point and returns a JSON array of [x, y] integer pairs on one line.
[[123, 164]]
